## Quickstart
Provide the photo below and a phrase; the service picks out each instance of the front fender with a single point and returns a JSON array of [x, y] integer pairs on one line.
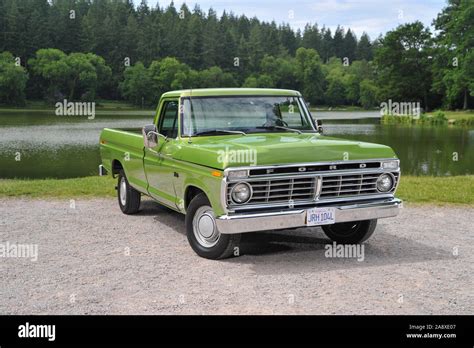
[[201, 177]]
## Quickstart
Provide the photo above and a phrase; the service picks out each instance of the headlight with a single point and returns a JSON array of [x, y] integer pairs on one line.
[[385, 183], [241, 193], [390, 165]]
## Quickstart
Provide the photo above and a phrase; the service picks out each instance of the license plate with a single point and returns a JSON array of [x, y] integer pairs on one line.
[[320, 216]]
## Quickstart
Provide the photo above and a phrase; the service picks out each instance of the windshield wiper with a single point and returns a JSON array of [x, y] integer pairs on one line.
[[219, 131], [280, 127]]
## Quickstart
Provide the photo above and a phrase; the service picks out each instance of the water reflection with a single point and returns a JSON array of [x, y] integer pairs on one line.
[[423, 150], [52, 146]]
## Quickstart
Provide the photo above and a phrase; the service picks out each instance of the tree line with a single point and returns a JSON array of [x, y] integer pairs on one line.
[[84, 49]]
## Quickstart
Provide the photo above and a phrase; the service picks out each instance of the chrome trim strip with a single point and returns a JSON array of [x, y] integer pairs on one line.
[[224, 194], [398, 180], [318, 188], [295, 218]]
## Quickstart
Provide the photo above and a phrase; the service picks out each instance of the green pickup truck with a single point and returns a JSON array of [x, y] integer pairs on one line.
[[246, 160]]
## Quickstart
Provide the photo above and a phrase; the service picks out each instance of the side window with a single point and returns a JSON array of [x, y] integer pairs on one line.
[[291, 114], [169, 119]]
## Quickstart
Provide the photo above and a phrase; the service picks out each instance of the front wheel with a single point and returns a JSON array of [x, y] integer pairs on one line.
[[202, 232], [354, 232], [128, 197]]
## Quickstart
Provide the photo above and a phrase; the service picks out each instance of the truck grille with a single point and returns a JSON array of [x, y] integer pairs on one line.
[[334, 186], [279, 190], [305, 189]]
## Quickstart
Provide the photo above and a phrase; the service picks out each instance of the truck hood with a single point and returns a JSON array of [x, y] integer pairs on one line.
[[222, 152]]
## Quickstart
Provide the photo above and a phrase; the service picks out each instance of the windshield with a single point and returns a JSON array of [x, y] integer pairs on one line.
[[217, 115]]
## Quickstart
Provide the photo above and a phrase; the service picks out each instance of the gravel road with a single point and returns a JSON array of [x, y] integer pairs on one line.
[[92, 259]]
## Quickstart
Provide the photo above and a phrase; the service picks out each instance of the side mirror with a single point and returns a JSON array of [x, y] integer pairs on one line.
[[319, 126], [150, 136]]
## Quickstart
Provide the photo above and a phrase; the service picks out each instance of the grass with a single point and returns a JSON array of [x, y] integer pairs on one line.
[[92, 186], [413, 189], [438, 117], [340, 108], [101, 105], [456, 115], [461, 118], [437, 190]]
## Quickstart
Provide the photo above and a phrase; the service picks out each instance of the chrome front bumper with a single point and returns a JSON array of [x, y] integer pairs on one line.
[[252, 222]]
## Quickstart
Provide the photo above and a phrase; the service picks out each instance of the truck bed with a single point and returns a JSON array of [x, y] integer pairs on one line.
[[123, 147]]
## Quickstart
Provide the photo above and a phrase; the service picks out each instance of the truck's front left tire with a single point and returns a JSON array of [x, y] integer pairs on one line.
[[128, 197], [202, 232]]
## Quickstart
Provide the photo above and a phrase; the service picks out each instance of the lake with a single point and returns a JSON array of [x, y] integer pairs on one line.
[[38, 144]]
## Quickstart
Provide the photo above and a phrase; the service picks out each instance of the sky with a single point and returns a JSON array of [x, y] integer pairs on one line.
[[372, 16]]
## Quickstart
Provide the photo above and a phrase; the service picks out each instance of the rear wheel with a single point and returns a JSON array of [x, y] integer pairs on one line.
[[202, 232], [128, 197], [354, 232]]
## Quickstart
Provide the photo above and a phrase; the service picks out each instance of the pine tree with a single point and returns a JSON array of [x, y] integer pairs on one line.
[[327, 45], [338, 42], [14, 42], [312, 37], [350, 46], [288, 39], [364, 48], [210, 42]]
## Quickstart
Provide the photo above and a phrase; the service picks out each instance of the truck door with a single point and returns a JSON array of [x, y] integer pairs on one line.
[[158, 162]]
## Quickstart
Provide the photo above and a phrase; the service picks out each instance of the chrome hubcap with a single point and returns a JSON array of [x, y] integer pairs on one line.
[[123, 191], [204, 227]]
